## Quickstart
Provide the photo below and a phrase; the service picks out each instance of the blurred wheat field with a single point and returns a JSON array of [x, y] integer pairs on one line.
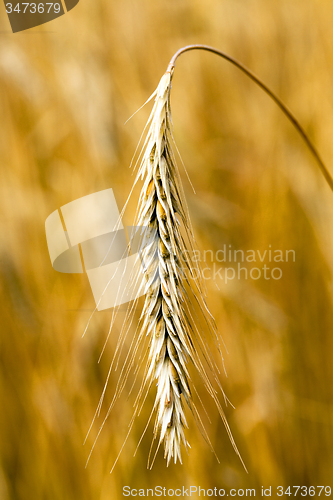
[[66, 90]]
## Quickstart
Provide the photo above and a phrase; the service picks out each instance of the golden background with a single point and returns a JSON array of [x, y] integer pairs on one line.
[[66, 90]]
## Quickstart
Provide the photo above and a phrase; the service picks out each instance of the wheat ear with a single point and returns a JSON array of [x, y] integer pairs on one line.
[[166, 312], [167, 317], [170, 346]]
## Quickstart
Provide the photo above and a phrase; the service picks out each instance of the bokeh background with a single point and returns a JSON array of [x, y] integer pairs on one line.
[[66, 90]]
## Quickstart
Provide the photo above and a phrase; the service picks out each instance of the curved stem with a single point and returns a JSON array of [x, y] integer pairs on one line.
[[271, 94]]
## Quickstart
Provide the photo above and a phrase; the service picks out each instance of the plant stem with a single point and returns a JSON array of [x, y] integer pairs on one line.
[[268, 91]]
